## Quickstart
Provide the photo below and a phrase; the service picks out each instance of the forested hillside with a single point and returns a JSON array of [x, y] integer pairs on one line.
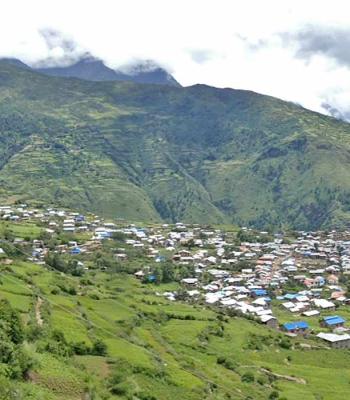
[[151, 152]]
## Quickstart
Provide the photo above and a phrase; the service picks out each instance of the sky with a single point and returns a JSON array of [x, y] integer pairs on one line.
[[295, 50]]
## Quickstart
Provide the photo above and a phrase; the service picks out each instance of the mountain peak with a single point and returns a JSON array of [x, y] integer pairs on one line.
[[91, 68]]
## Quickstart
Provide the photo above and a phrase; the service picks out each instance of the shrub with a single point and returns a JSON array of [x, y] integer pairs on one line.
[[80, 348], [99, 348], [221, 360], [248, 377], [274, 395]]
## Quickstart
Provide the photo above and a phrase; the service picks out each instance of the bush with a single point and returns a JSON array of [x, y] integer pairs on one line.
[[57, 344], [262, 380], [274, 395], [20, 364], [80, 348], [285, 343], [248, 377], [221, 360], [99, 348], [10, 323], [119, 389]]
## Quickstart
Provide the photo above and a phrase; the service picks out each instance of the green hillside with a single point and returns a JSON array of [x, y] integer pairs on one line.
[[104, 335], [151, 152]]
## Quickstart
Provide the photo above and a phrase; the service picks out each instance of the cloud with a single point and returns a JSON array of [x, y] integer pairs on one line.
[[222, 43], [136, 66], [201, 56], [332, 42], [62, 50]]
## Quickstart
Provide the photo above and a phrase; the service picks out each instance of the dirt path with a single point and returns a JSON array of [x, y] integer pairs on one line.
[[285, 377], [38, 317]]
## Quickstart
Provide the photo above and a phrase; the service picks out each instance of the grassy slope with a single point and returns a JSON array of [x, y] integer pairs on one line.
[[148, 152], [157, 347], [167, 358]]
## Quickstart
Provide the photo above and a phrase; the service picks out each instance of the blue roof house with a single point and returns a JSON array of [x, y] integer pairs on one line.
[[151, 278], [76, 250], [258, 292], [333, 321], [296, 327], [290, 296]]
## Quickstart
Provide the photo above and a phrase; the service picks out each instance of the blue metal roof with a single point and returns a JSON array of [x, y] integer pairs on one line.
[[333, 320], [259, 292], [291, 326], [290, 296]]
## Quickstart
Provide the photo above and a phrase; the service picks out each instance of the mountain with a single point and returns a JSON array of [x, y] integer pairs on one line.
[[93, 69], [89, 69], [15, 61], [156, 152], [149, 72]]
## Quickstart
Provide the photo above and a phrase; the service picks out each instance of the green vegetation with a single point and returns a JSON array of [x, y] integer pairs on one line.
[[103, 334], [151, 152], [151, 348]]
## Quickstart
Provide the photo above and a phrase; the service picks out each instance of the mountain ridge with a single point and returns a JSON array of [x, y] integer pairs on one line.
[[156, 152], [94, 69]]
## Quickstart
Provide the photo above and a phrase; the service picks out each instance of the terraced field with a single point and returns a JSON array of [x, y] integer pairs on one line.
[[159, 348]]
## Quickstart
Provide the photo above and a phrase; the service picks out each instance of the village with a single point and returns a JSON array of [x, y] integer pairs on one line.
[[296, 282]]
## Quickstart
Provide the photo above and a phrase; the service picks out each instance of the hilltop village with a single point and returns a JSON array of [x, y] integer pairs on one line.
[[296, 282]]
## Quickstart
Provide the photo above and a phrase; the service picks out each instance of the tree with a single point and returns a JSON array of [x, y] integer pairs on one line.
[[167, 272], [80, 348], [10, 323], [56, 262], [99, 348], [158, 274], [8, 234], [74, 268]]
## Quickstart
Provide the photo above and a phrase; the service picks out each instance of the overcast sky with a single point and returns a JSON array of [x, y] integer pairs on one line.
[[295, 50]]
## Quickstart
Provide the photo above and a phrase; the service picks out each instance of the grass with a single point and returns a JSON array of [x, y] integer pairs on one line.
[[185, 351], [59, 378], [95, 365], [20, 230], [163, 348]]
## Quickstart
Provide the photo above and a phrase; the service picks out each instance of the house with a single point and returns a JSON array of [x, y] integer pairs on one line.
[[332, 280], [336, 341], [121, 256], [324, 304], [311, 313], [258, 292], [75, 251], [333, 321], [269, 320], [296, 327], [290, 296], [189, 281], [139, 274]]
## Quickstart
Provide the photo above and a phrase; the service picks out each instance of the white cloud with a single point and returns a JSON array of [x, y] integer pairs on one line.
[[223, 43]]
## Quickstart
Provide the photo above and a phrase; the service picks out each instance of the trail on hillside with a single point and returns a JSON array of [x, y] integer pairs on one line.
[[38, 317], [285, 377]]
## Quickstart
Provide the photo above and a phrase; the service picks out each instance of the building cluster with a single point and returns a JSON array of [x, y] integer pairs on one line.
[[284, 281]]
